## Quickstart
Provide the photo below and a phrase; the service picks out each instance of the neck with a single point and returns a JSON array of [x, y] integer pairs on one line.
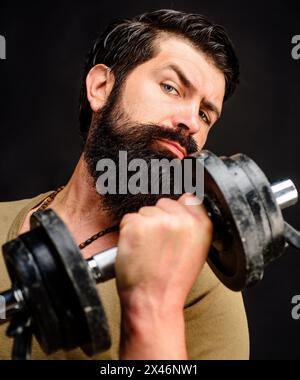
[[79, 206]]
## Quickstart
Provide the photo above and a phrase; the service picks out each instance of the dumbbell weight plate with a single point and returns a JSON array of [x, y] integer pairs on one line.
[[276, 243], [92, 320], [57, 286], [240, 262], [250, 191], [25, 276]]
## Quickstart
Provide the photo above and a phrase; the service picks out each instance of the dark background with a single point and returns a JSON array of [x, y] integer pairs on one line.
[[39, 139]]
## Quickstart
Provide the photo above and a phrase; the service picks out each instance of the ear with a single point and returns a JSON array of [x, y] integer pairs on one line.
[[99, 83]]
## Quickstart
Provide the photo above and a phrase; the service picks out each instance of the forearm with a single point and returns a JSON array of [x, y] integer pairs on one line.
[[152, 334], [159, 259]]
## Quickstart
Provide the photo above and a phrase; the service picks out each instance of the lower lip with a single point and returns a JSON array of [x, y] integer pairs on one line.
[[173, 149]]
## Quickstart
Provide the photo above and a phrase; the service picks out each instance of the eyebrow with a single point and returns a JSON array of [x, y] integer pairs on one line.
[[188, 84]]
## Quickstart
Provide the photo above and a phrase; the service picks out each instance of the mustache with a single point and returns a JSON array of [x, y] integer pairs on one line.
[[142, 133], [114, 124], [175, 135]]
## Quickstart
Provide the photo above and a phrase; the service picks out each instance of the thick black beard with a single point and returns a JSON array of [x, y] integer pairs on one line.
[[112, 131]]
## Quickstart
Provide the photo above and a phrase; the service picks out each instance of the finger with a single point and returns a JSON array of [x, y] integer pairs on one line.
[[170, 206], [189, 199], [193, 205], [127, 218], [150, 211]]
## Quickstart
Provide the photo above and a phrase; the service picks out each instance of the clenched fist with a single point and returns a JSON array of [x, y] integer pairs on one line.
[[161, 251]]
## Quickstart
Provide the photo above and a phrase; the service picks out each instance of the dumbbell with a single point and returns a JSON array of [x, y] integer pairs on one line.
[[54, 293], [249, 229]]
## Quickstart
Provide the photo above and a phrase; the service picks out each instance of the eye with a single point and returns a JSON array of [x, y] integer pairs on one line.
[[169, 89], [204, 117]]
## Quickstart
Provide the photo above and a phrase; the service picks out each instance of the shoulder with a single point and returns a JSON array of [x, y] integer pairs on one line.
[[9, 209], [8, 213], [11, 214]]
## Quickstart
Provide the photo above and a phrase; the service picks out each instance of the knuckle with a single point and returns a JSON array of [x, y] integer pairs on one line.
[[134, 226], [128, 218], [164, 201], [145, 209]]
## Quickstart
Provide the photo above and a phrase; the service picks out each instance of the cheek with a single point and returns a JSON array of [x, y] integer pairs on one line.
[[201, 137], [146, 102]]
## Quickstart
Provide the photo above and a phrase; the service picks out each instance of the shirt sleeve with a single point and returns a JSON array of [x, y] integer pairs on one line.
[[216, 323]]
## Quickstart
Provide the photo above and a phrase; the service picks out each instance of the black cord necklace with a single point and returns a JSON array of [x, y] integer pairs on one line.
[[88, 241]]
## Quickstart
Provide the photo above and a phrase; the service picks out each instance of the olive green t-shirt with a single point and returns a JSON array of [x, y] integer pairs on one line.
[[215, 319]]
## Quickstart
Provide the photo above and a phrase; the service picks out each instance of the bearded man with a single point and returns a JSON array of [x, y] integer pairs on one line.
[[153, 86]]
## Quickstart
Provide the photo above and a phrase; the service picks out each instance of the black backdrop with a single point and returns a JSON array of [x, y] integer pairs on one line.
[[39, 140]]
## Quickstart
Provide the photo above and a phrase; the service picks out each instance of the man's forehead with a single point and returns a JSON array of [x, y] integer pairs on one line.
[[173, 51], [176, 47]]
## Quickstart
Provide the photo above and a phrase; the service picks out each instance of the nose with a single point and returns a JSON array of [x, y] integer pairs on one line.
[[187, 119]]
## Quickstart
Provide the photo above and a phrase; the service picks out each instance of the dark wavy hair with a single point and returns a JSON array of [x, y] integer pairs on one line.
[[127, 43]]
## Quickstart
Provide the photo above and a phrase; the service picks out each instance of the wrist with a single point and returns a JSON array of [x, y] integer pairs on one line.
[[150, 331]]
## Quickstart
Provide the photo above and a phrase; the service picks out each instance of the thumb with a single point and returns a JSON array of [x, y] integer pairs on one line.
[[189, 199], [193, 205]]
